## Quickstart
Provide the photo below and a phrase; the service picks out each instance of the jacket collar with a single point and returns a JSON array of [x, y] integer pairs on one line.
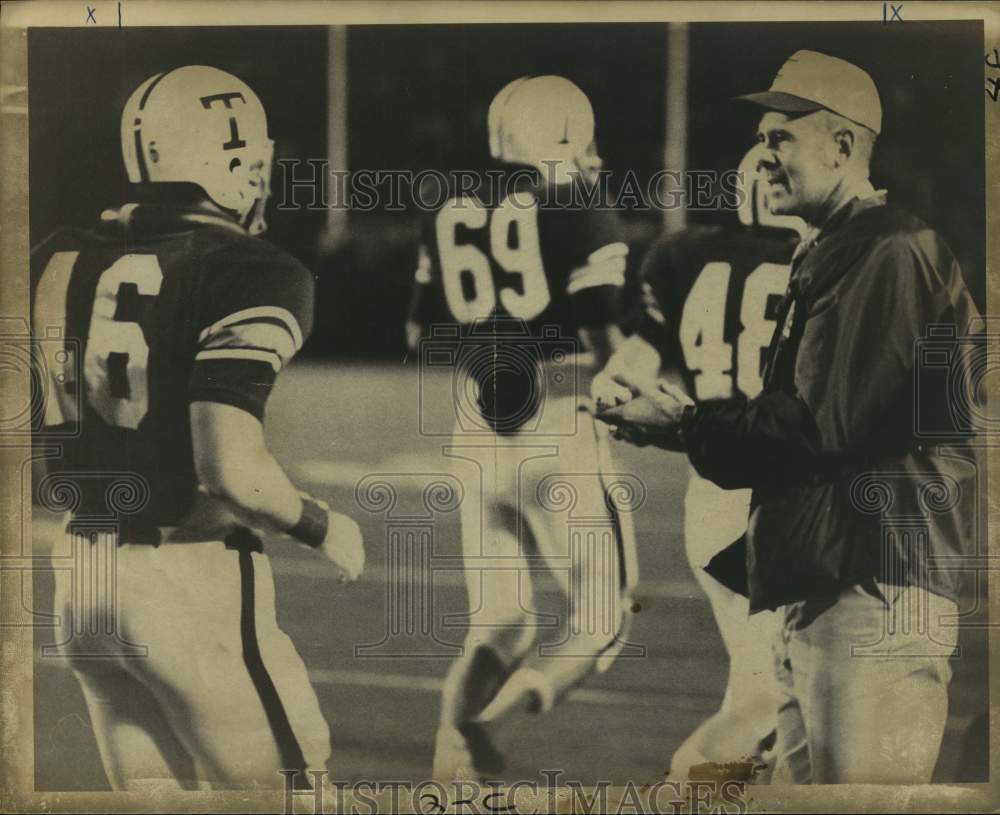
[[862, 196]]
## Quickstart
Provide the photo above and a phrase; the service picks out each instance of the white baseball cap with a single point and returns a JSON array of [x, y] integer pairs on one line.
[[812, 81]]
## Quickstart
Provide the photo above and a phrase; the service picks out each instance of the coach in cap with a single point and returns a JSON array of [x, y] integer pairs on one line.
[[858, 515]]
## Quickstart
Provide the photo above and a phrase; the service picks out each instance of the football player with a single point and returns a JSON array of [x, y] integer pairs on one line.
[[182, 319], [710, 296], [512, 278]]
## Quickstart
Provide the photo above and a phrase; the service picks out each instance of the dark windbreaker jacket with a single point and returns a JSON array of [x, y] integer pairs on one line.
[[859, 449]]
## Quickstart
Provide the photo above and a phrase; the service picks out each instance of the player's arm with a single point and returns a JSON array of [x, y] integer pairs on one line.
[[601, 341], [635, 357], [233, 464], [257, 309], [595, 291], [638, 356]]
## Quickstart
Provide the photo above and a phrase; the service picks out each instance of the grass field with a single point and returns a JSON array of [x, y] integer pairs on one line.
[[331, 426]]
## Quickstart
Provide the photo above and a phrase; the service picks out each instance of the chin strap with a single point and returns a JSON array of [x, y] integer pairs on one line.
[[254, 220], [255, 223]]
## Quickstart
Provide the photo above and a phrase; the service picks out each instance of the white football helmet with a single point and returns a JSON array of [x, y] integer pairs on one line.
[[538, 120], [203, 126], [753, 209]]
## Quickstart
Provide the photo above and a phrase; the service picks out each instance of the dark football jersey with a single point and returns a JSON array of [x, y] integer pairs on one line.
[[507, 275], [156, 308], [710, 298]]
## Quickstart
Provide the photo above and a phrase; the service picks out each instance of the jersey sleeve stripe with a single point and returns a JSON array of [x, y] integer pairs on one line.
[[284, 316], [612, 250], [607, 272], [258, 355], [606, 278], [257, 334]]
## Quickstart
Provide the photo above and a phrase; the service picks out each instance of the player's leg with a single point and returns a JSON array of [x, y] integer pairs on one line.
[[751, 698], [500, 628], [713, 519], [213, 672], [791, 749], [139, 749], [747, 717], [584, 535], [289, 673], [463, 749], [137, 745], [490, 653], [488, 658]]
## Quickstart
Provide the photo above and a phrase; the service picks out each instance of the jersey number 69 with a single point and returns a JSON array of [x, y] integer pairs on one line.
[[514, 245]]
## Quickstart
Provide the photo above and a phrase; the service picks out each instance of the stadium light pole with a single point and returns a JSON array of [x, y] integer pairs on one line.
[[675, 141], [336, 132]]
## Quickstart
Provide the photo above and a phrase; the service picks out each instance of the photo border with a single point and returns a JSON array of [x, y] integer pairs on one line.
[[16, 643]]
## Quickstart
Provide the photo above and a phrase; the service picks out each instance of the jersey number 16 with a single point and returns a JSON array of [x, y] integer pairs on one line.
[[116, 357]]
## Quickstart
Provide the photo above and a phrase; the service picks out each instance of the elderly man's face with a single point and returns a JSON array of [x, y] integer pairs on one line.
[[797, 162]]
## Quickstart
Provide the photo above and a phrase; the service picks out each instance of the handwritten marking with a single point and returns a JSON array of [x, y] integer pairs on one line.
[[90, 16], [886, 7]]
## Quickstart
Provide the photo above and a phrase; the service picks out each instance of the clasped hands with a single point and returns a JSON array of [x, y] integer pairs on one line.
[[639, 411]]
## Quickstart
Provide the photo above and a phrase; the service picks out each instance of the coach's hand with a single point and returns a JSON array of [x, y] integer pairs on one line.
[[344, 546], [673, 391], [651, 416]]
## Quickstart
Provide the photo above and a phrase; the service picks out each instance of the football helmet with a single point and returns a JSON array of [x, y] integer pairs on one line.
[[752, 208], [546, 122], [202, 126]]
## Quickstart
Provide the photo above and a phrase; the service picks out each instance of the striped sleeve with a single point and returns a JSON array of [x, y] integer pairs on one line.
[[269, 334], [604, 267], [257, 314], [595, 287]]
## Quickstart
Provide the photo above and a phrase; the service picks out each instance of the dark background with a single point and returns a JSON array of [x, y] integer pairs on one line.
[[417, 99]]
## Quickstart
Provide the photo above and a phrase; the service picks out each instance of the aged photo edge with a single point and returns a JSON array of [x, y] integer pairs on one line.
[[16, 641]]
